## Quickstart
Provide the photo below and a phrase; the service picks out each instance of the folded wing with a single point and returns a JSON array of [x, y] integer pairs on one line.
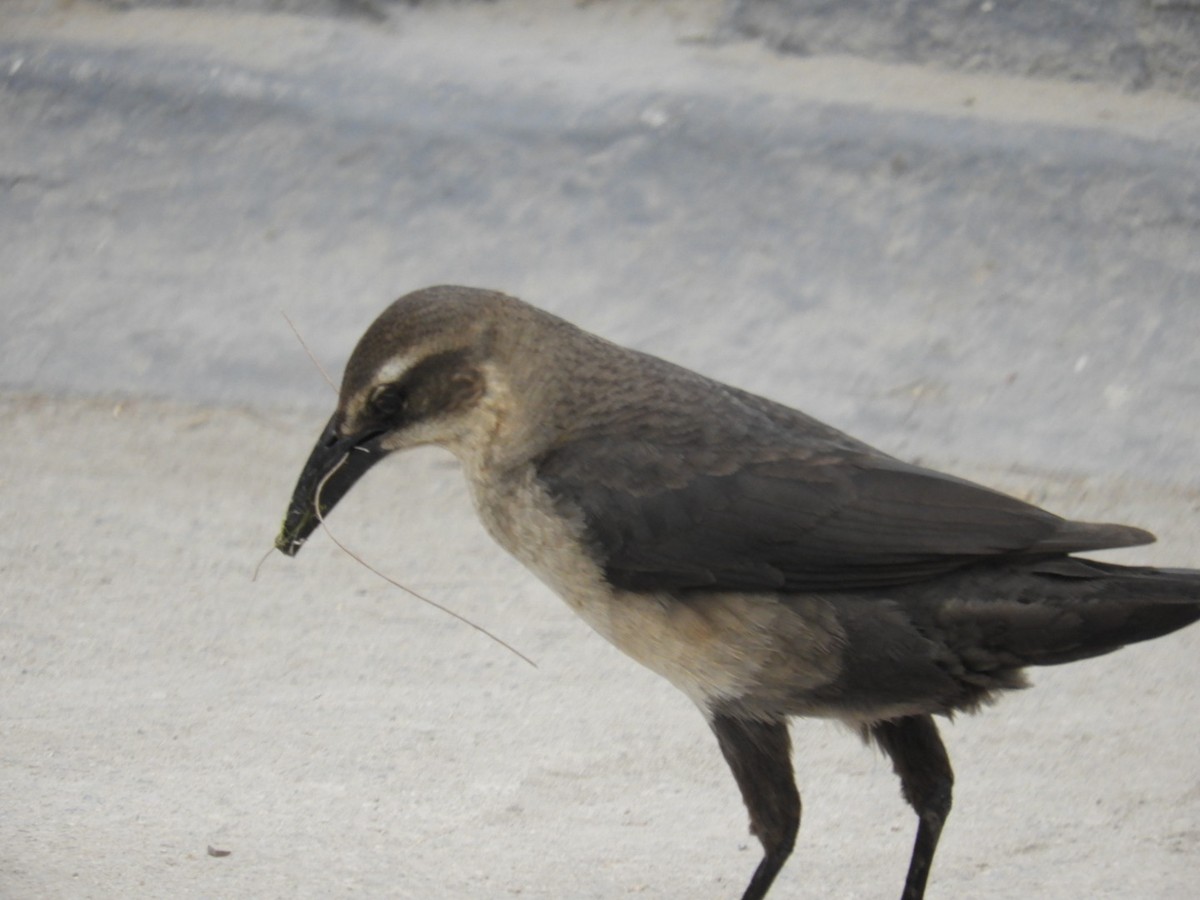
[[805, 521]]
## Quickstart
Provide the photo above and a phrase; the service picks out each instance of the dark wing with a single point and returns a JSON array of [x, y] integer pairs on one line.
[[841, 520]]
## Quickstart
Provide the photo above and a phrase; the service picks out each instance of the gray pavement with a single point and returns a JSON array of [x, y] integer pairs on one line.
[[994, 275]]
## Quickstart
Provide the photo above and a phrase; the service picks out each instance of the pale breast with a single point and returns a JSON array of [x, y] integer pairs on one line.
[[716, 648]]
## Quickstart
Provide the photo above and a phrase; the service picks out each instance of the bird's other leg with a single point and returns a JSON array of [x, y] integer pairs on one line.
[[920, 759], [760, 755]]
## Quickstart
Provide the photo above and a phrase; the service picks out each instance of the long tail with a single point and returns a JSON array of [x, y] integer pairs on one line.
[[1066, 609]]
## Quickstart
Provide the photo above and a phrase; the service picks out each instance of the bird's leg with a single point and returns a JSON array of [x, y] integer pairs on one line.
[[920, 759], [760, 755]]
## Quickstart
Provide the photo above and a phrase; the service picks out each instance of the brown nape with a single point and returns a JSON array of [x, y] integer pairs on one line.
[[768, 565]]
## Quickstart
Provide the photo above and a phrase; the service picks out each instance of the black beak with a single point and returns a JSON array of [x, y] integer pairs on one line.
[[347, 458]]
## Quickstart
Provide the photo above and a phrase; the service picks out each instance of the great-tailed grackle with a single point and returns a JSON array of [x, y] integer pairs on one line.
[[766, 564]]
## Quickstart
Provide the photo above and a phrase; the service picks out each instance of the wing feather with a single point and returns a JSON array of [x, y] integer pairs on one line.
[[839, 518]]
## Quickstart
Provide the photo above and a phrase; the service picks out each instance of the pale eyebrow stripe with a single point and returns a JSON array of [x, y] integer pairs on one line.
[[392, 370]]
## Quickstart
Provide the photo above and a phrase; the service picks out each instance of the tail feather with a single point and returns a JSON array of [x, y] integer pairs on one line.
[[1066, 609], [1123, 605]]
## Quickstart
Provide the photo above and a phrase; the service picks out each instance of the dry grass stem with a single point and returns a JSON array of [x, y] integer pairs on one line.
[[257, 568], [315, 362], [317, 507]]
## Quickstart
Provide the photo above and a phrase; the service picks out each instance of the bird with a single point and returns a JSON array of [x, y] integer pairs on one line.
[[768, 565]]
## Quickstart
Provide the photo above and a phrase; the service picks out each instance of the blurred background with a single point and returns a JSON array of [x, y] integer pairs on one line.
[[967, 231], [891, 216]]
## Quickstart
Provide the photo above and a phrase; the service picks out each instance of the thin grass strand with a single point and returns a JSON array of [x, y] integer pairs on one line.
[[311, 355], [254, 577], [317, 507]]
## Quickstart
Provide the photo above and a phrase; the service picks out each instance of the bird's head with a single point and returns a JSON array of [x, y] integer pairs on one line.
[[419, 375]]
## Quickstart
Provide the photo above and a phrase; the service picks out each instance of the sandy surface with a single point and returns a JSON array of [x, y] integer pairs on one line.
[[1006, 288], [340, 739]]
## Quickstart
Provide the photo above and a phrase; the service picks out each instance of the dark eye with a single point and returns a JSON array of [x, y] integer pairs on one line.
[[388, 401]]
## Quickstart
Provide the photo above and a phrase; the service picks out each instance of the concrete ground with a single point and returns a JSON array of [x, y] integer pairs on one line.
[[997, 276]]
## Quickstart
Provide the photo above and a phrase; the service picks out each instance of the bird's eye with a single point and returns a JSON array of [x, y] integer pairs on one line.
[[388, 401]]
